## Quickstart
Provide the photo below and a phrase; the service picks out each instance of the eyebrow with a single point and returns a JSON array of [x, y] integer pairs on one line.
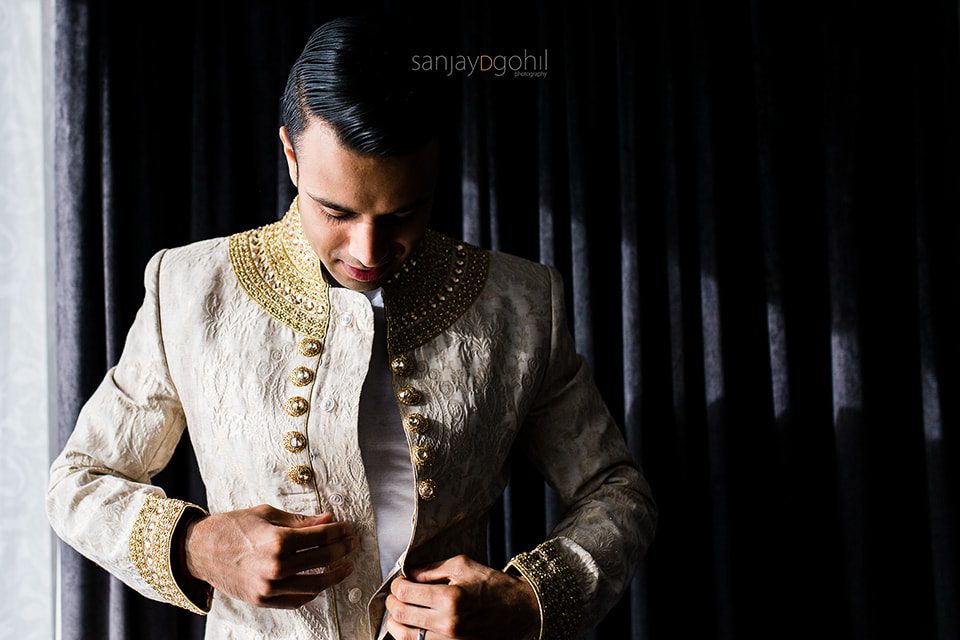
[[339, 207]]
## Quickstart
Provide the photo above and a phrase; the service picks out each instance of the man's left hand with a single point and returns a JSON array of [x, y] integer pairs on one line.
[[461, 599]]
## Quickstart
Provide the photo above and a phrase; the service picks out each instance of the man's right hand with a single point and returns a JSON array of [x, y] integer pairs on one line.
[[257, 554]]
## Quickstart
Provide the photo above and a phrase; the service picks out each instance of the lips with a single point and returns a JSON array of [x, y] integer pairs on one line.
[[364, 275]]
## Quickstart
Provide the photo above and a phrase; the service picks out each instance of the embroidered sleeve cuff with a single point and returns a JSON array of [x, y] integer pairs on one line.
[[150, 549], [556, 586]]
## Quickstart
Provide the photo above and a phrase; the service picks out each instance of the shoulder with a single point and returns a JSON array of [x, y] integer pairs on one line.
[[519, 292], [194, 263], [501, 272], [528, 292], [509, 271], [189, 271], [202, 254]]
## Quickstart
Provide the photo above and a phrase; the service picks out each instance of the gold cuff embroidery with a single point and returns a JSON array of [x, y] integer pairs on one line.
[[555, 584], [150, 550]]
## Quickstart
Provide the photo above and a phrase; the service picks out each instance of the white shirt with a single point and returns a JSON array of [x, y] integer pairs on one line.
[[383, 445]]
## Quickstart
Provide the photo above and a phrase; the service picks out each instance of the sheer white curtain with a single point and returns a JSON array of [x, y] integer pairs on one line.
[[26, 543]]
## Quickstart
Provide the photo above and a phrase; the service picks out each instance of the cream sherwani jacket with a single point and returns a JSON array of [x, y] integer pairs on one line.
[[242, 343]]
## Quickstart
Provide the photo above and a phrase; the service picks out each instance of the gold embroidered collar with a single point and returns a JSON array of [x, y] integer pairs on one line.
[[436, 284]]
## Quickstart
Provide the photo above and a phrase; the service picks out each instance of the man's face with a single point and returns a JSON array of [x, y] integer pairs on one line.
[[362, 214]]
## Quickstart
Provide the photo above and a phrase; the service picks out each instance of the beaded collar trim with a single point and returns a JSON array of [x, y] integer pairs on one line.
[[278, 268], [437, 283]]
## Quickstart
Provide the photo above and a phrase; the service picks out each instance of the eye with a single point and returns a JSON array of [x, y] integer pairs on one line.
[[340, 219], [336, 219]]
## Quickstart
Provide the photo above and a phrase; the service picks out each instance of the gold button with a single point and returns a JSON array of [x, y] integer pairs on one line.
[[294, 441], [301, 474], [424, 455], [402, 365], [409, 396], [427, 489], [416, 422], [296, 406], [301, 376], [309, 347]]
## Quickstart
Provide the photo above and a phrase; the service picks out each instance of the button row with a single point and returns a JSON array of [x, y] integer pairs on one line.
[[424, 455], [296, 406], [309, 347], [416, 423], [301, 474], [402, 365], [301, 377], [294, 441], [427, 489], [409, 396]]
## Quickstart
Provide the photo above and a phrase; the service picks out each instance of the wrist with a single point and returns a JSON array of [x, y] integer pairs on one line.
[[531, 628], [191, 548], [156, 550], [555, 583], [194, 586]]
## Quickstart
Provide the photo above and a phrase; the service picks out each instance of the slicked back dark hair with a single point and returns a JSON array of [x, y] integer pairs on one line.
[[355, 73]]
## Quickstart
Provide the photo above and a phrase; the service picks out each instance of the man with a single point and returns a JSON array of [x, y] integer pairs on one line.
[[351, 362]]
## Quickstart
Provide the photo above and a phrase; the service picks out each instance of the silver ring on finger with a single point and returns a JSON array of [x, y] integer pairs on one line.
[[422, 634]]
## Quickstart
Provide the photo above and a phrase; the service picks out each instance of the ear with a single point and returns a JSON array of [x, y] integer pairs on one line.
[[290, 155]]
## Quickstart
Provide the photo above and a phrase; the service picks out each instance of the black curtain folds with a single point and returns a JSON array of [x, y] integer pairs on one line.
[[755, 209]]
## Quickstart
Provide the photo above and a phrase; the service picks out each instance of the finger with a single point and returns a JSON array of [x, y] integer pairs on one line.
[[307, 537], [415, 616], [435, 596], [401, 631], [444, 570], [311, 583], [414, 572], [288, 519], [285, 602], [318, 556], [398, 631]]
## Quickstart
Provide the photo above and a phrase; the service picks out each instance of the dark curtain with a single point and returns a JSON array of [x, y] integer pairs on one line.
[[755, 209]]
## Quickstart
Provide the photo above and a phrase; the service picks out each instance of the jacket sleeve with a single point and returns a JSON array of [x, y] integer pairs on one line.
[[99, 499], [585, 565]]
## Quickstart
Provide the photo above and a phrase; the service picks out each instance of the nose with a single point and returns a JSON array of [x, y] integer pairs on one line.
[[367, 246]]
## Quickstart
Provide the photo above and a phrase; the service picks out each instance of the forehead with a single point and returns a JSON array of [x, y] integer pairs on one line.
[[330, 170]]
